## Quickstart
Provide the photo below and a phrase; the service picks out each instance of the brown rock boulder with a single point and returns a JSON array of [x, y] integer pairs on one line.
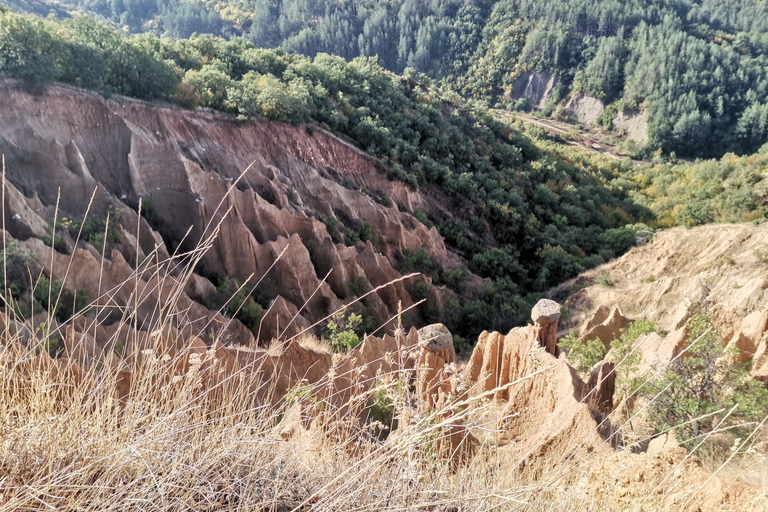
[[742, 346], [545, 315], [483, 370], [753, 326], [759, 369]]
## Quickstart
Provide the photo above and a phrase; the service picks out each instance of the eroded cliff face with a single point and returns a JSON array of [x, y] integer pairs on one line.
[[302, 191]]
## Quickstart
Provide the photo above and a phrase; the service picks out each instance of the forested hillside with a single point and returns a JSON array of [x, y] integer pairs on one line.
[[697, 68]]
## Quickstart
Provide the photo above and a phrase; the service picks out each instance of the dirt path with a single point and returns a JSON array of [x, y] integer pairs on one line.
[[586, 139]]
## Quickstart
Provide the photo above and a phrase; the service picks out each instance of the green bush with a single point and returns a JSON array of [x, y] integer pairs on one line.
[[696, 390], [60, 302], [340, 331], [605, 280], [583, 356], [417, 261], [627, 380], [18, 262], [359, 286], [240, 304], [420, 291]]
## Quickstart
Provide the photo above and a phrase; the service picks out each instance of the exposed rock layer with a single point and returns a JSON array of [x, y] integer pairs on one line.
[[285, 217]]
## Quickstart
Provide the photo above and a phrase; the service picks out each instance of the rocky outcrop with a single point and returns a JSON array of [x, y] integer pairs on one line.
[[632, 124], [545, 316], [586, 109], [545, 417], [607, 330], [280, 224], [676, 274], [536, 87], [602, 384]]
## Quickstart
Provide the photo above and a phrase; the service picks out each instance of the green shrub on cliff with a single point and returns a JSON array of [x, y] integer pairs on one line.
[[706, 389]]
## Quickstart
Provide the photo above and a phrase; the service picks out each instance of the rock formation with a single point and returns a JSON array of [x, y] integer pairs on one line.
[[280, 224], [545, 316], [544, 414], [436, 352]]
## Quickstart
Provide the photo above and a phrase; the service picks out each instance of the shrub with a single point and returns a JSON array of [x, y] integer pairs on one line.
[[359, 286], [455, 278], [351, 238], [240, 304], [420, 291], [340, 331], [18, 261], [627, 380], [331, 224], [58, 301], [583, 356], [421, 216], [418, 260], [696, 390]]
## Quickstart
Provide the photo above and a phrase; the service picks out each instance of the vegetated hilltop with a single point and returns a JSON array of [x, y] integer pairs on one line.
[[687, 77]]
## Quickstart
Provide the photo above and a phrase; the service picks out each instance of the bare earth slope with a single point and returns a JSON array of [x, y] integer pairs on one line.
[[62, 145]]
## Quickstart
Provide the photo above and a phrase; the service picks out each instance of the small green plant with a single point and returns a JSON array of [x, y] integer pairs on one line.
[[583, 356], [240, 304], [51, 342], [94, 228], [381, 412], [366, 231], [386, 201], [455, 278], [59, 301], [331, 224], [420, 291], [302, 392], [418, 261], [650, 279], [461, 346], [340, 331], [724, 261], [627, 380], [421, 216], [18, 262], [359, 286], [56, 242], [351, 238], [605, 280], [148, 211]]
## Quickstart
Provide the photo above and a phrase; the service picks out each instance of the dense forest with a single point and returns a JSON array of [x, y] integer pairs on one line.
[[697, 68], [529, 212]]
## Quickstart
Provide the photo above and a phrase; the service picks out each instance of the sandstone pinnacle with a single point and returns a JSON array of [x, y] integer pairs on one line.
[[546, 310], [435, 337]]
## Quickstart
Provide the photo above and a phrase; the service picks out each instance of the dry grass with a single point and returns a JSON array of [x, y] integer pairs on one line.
[[69, 441]]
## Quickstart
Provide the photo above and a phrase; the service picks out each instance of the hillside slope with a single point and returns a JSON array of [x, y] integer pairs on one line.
[[62, 146]]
